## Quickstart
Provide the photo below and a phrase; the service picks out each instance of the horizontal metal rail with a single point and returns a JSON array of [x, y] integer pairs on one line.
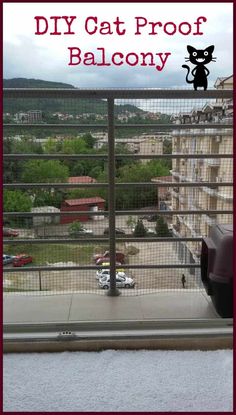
[[55, 185], [121, 212], [132, 185], [99, 239], [56, 126], [103, 126], [96, 267], [37, 340], [81, 326], [105, 156], [115, 93]]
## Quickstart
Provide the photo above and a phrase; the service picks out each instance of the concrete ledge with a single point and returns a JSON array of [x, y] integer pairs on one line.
[[184, 343]]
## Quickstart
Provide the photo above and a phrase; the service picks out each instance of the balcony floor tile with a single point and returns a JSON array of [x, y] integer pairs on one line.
[[92, 307]]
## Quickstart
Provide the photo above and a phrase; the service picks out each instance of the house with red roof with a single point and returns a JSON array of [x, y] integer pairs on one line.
[[81, 179], [86, 204]]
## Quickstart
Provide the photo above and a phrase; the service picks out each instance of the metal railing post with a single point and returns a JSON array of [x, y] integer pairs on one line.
[[113, 291], [40, 281]]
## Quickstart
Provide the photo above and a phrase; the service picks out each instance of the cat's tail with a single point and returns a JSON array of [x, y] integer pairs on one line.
[[187, 67]]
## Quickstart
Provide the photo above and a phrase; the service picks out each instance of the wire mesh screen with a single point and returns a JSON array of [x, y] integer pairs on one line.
[[173, 182], [137, 282]]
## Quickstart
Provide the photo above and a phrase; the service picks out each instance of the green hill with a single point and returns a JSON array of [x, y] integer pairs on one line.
[[33, 83], [48, 105], [72, 106]]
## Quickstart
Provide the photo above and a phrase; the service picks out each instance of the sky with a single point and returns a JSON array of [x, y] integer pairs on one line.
[[47, 56]]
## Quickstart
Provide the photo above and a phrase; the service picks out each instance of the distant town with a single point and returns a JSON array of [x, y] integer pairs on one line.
[[38, 116]]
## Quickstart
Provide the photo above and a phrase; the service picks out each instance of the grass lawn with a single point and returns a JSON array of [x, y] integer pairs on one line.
[[53, 253]]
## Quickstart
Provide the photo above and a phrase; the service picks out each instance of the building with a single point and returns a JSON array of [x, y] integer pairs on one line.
[[45, 220], [150, 144], [29, 117], [142, 144], [163, 193], [80, 179], [89, 204], [202, 141], [224, 82], [34, 116], [21, 117]]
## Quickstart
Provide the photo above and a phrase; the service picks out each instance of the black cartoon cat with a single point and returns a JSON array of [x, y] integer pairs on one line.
[[199, 57]]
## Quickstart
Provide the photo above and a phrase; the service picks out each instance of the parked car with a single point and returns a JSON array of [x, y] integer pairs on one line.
[[7, 259], [102, 273], [171, 228], [122, 281], [21, 260], [152, 218], [149, 218], [101, 258], [118, 231], [106, 272], [10, 232], [150, 231], [81, 232]]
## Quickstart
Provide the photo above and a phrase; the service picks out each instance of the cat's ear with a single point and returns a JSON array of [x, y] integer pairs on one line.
[[190, 49], [210, 49]]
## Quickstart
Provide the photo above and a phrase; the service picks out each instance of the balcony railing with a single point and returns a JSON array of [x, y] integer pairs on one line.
[[151, 272]]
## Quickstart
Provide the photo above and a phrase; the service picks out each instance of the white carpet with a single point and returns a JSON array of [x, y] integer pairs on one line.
[[116, 381]]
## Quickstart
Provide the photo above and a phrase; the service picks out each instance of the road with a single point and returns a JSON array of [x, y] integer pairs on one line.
[[148, 253]]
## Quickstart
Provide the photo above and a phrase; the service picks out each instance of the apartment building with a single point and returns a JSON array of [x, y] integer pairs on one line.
[[31, 116], [142, 144], [202, 141]]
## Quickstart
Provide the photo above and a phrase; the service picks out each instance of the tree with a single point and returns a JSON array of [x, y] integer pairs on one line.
[[139, 172], [52, 146], [131, 222], [140, 229], [78, 168], [89, 140], [44, 171], [47, 198], [75, 226], [96, 172], [26, 145], [123, 149], [16, 201], [162, 227], [74, 146]]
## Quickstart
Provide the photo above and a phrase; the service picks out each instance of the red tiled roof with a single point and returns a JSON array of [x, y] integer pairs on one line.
[[81, 179], [84, 201]]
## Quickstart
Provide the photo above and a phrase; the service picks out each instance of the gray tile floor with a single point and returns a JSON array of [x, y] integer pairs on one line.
[[20, 308]]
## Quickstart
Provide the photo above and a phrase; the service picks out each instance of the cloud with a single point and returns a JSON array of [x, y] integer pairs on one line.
[[46, 57]]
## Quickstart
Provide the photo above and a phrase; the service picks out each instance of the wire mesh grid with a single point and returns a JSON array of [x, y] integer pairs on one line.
[[183, 142], [137, 282]]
